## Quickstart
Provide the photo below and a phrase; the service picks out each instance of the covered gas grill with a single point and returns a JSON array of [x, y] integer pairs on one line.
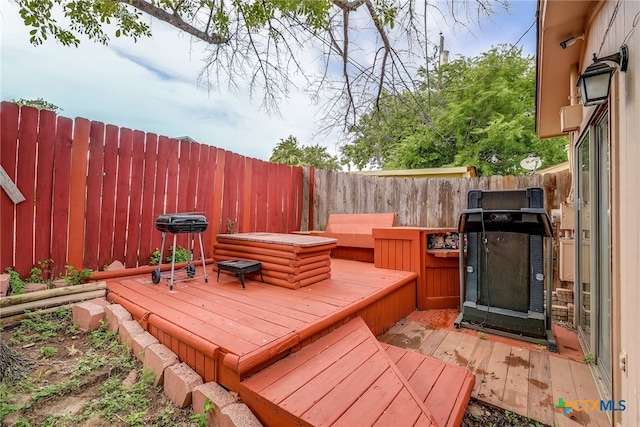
[[181, 223]]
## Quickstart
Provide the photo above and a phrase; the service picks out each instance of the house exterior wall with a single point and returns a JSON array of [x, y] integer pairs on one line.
[[609, 24]]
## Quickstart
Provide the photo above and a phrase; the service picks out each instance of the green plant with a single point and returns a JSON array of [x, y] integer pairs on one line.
[[155, 257], [16, 284], [102, 337], [36, 327], [75, 277], [73, 329], [201, 419], [53, 390], [118, 398], [47, 351], [511, 417], [22, 422], [90, 362], [7, 401], [182, 255], [588, 359], [165, 418], [36, 275]]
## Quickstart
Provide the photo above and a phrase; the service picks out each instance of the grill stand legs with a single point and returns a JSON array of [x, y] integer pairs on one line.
[[156, 275]]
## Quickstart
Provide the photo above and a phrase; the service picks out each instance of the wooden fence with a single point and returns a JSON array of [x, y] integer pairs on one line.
[[423, 202], [93, 191]]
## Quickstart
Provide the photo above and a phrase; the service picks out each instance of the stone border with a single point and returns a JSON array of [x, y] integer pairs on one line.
[[181, 384]]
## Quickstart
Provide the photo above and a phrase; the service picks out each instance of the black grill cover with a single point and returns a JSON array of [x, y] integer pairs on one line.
[[181, 223]]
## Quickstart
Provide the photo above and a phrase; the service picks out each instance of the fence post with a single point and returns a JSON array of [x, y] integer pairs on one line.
[[77, 191]]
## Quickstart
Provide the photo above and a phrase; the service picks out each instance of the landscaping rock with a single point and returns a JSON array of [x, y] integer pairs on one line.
[[59, 283], [88, 315], [115, 265], [179, 382], [158, 357], [34, 287], [127, 331], [238, 415], [4, 284], [219, 397], [140, 342], [115, 314]]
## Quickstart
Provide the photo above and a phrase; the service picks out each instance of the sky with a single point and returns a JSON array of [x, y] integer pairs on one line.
[[153, 85]]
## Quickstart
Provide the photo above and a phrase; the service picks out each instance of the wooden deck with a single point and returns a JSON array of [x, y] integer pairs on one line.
[[513, 375], [344, 379], [225, 333]]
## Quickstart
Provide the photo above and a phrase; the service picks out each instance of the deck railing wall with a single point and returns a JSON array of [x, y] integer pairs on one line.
[[93, 191]]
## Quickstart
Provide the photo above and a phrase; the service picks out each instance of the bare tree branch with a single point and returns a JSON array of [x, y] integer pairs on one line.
[[176, 21]]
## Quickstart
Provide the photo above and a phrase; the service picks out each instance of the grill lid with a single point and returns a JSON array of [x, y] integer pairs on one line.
[[181, 223]]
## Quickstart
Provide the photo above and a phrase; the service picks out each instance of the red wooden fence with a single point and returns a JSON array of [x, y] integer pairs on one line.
[[93, 191]]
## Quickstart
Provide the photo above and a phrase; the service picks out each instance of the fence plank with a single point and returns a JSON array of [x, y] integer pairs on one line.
[[202, 181], [77, 192], [44, 185], [211, 200], [184, 172], [247, 197], [122, 194], [8, 143], [161, 185], [61, 186], [194, 171], [240, 187], [298, 199], [109, 176], [147, 221], [273, 199], [260, 189], [201, 189], [232, 175], [171, 194], [25, 180], [94, 195], [217, 219], [135, 199]]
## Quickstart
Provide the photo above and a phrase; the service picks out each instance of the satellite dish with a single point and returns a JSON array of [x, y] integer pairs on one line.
[[531, 163]]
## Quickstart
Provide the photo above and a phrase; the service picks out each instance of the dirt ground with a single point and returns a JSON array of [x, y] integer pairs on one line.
[[81, 379], [88, 379]]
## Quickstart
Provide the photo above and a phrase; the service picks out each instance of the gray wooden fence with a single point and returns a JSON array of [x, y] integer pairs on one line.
[[423, 202]]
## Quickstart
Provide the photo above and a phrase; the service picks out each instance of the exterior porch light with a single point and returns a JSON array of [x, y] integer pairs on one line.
[[594, 83]]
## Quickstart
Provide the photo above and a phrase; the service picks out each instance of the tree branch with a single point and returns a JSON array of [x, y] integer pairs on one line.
[[385, 42], [176, 21]]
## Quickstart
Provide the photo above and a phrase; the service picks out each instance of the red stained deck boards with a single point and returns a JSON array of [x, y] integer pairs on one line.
[[344, 378]]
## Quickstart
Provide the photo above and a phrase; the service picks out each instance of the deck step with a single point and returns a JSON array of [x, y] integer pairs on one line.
[[444, 388], [347, 378]]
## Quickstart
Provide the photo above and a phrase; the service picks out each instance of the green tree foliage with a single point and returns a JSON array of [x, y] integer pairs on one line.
[[261, 44], [289, 152], [471, 112], [38, 103]]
